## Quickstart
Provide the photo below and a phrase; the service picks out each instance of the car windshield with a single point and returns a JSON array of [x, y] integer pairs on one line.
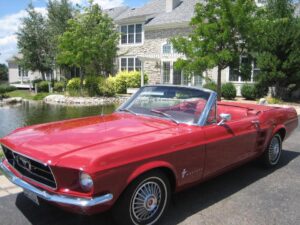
[[178, 104]]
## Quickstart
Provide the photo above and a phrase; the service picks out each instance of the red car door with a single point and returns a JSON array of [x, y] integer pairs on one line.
[[229, 143]]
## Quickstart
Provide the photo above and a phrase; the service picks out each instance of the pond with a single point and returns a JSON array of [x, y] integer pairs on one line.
[[30, 113]]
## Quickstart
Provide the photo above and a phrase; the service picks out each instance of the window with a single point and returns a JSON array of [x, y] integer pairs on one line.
[[256, 70], [130, 64], [233, 74], [132, 34], [22, 72], [187, 80], [177, 77], [166, 72], [197, 80], [168, 48], [249, 68]]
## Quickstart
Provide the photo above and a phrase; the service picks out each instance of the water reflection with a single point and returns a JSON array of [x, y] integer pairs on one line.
[[29, 113]]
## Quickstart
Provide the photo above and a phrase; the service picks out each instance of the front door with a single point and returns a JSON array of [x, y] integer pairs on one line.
[[228, 144]]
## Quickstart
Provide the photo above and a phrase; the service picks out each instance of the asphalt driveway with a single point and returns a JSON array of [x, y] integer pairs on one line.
[[248, 195]]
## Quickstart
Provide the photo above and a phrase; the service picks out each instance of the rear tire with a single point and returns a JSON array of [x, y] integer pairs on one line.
[[272, 154], [145, 200]]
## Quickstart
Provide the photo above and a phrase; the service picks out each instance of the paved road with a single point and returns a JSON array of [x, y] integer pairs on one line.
[[248, 195]]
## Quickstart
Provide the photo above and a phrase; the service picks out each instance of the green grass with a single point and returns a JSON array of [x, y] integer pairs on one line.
[[27, 95]]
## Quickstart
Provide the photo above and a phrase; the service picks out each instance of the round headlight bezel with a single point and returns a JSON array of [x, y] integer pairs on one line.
[[86, 182]]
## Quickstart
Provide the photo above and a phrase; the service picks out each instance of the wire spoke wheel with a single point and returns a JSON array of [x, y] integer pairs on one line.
[[274, 150], [148, 201]]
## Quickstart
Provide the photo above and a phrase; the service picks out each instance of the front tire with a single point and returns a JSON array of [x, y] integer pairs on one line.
[[272, 154], [145, 201]]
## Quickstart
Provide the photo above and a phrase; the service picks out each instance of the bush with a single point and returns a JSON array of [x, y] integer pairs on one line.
[[59, 86], [125, 79], [228, 91], [73, 86], [92, 85], [4, 88], [43, 86], [108, 87], [211, 86], [36, 81], [261, 90], [271, 100], [248, 91]]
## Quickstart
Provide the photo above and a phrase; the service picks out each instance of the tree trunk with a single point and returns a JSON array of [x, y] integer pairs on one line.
[[219, 84]]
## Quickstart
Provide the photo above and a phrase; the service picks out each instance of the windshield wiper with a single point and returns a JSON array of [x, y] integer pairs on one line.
[[127, 110], [165, 115]]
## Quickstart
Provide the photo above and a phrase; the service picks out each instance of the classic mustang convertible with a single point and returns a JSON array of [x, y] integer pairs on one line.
[[162, 140]]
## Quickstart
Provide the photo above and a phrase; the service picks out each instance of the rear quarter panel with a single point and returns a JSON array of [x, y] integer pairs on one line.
[[274, 120]]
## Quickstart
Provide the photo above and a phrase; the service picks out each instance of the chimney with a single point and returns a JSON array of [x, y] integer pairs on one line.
[[171, 5]]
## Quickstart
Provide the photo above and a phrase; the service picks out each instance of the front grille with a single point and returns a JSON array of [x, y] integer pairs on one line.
[[30, 168]]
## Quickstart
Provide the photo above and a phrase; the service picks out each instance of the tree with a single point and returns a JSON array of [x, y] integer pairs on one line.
[[59, 13], [90, 42], [221, 33], [34, 44], [278, 47], [3, 72]]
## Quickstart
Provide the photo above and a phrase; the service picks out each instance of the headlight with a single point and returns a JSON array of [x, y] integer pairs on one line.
[[86, 182]]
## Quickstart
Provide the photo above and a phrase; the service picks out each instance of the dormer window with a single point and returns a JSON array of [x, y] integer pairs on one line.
[[167, 48], [131, 34]]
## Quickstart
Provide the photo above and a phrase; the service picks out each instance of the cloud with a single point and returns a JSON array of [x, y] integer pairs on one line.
[[11, 23], [105, 4], [8, 40], [9, 26]]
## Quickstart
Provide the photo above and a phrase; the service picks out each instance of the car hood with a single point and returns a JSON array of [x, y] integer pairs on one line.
[[49, 142]]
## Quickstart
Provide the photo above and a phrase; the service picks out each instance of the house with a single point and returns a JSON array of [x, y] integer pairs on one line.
[[145, 34], [20, 77], [145, 42]]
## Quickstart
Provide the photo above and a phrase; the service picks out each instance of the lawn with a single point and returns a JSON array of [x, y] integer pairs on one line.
[[27, 95]]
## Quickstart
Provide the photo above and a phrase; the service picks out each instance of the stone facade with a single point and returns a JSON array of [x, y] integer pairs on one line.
[[151, 48]]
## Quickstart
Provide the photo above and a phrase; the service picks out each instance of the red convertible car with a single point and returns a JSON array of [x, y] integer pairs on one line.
[[162, 140]]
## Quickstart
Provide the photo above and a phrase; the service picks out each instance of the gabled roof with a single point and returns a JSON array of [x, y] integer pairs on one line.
[[150, 8], [183, 13], [154, 13], [115, 12]]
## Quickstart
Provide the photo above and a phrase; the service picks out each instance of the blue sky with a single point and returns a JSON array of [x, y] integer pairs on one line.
[[12, 11]]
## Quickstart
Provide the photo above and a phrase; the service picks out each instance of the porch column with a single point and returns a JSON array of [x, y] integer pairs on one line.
[[142, 74]]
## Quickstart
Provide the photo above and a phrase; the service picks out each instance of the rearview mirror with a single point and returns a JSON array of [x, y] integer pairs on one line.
[[224, 118]]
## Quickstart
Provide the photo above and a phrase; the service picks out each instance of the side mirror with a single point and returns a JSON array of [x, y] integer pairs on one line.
[[224, 118]]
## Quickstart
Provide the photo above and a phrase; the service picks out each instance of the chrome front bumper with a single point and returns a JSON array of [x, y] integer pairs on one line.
[[61, 199]]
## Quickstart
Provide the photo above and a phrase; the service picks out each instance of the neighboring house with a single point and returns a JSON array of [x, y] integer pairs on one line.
[[145, 42], [20, 77]]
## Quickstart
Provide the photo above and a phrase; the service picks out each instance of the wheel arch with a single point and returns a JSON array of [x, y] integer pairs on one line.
[[281, 130], [163, 167]]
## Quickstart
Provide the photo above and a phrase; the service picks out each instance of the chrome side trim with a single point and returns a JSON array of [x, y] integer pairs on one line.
[[62, 199], [210, 103]]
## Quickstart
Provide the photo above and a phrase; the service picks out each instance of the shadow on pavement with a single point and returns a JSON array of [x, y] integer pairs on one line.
[[184, 204]]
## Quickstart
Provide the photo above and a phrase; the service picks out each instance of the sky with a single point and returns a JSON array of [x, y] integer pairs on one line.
[[11, 11]]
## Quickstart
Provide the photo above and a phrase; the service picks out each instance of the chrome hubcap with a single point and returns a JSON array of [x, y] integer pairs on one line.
[[146, 201], [274, 149]]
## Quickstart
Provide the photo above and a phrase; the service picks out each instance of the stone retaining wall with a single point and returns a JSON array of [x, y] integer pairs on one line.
[[84, 101]]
